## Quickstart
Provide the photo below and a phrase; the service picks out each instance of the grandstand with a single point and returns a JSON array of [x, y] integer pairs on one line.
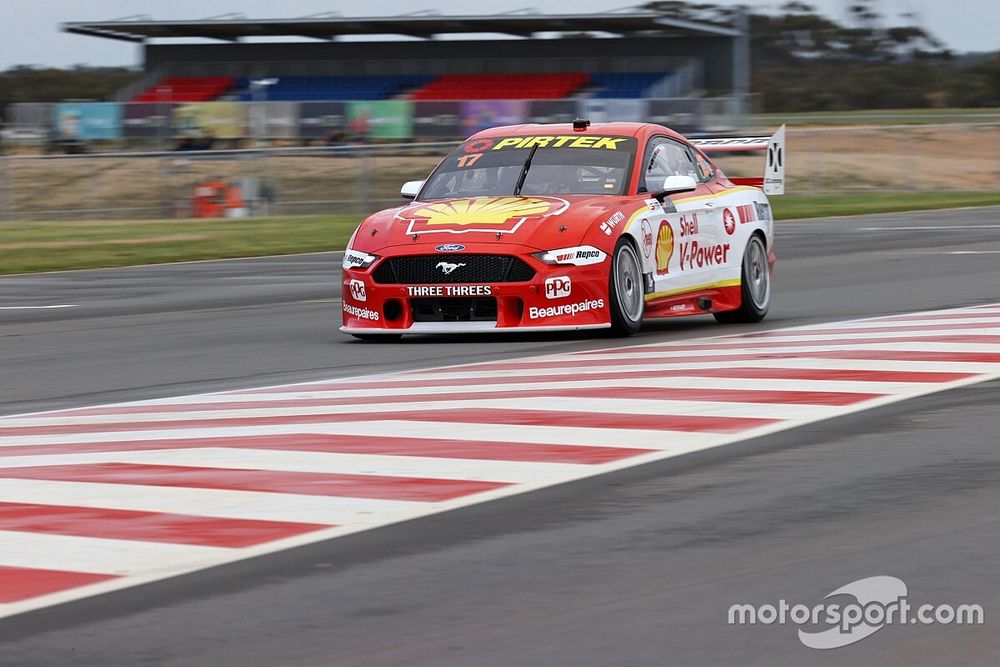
[[625, 85], [424, 70]]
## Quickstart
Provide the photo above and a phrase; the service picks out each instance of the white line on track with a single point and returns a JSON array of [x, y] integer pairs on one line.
[[925, 228]]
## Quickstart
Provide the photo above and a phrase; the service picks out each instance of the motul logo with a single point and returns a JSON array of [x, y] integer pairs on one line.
[[558, 287]]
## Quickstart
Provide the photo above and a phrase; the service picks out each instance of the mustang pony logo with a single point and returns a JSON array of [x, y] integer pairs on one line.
[[448, 267], [492, 215], [664, 248]]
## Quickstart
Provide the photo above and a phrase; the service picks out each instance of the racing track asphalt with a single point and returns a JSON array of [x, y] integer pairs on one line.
[[636, 568]]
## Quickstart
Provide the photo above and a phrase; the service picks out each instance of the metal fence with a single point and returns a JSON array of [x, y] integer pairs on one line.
[[360, 178], [286, 181]]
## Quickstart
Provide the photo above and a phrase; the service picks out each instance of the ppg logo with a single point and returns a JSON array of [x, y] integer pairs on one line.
[[558, 287], [358, 290]]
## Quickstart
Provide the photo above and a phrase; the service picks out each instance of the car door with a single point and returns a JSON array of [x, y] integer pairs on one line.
[[690, 249]]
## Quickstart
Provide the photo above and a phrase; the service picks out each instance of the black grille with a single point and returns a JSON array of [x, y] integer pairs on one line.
[[454, 309], [430, 269]]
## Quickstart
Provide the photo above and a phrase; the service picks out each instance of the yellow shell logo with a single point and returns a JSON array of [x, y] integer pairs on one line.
[[664, 248], [484, 214]]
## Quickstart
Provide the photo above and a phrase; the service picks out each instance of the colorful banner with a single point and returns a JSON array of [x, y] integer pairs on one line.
[[273, 120], [215, 120], [382, 119], [323, 120], [482, 114], [87, 120], [147, 121], [437, 119]]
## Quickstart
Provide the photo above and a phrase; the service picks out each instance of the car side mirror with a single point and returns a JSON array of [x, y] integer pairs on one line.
[[674, 184], [411, 189]]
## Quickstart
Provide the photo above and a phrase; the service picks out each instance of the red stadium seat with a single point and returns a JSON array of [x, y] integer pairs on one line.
[[501, 86], [186, 89]]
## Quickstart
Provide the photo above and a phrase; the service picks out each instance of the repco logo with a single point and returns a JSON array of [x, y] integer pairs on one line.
[[558, 287], [588, 254]]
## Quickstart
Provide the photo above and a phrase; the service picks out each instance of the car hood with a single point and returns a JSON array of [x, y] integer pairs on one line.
[[540, 222]]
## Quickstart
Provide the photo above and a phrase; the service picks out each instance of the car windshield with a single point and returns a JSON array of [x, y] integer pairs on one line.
[[560, 164]]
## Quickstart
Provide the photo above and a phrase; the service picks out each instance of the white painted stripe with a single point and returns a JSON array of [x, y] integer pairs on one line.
[[516, 472], [101, 556], [554, 435], [608, 405], [862, 325], [568, 383], [973, 252], [61, 305], [356, 514], [925, 228], [818, 364], [808, 351], [251, 505], [862, 337]]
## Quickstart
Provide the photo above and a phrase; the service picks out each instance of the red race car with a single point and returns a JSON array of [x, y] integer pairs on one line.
[[569, 226]]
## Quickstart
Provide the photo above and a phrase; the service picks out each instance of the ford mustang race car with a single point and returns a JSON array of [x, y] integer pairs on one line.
[[570, 226]]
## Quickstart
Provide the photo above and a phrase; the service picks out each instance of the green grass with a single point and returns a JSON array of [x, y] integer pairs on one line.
[[49, 246], [789, 207]]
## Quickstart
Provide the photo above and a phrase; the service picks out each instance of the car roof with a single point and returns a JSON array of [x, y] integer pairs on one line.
[[613, 129]]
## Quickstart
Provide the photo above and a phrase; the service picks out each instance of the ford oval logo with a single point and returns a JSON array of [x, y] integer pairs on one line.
[[450, 247]]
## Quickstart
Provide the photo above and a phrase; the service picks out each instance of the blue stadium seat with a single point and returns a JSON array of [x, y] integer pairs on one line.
[[624, 85], [332, 88]]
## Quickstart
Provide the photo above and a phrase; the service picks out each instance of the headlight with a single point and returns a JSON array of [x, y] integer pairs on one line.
[[355, 259], [577, 256]]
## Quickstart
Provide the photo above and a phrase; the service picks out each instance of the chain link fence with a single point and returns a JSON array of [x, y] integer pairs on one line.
[[358, 179]]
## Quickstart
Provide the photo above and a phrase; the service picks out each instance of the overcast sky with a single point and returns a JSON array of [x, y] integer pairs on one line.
[[30, 34]]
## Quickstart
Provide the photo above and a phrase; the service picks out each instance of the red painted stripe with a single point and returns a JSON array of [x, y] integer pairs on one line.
[[21, 583], [743, 372], [458, 415], [647, 393], [146, 526], [882, 355], [726, 344], [350, 444], [265, 481], [901, 328]]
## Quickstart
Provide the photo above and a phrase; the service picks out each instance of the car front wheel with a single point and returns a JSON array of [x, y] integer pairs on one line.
[[625, 290]]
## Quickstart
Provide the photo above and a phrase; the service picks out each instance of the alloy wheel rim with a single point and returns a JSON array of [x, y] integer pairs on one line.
[[628, 280], [756, 274]]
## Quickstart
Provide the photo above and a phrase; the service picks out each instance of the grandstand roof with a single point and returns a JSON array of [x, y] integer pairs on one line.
[[233, 28]]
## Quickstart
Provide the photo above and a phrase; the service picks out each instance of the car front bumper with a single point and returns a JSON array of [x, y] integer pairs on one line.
[[558, 298]]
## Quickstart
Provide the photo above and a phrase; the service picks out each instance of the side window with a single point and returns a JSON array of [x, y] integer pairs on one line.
[[665, 157], [705, 168]]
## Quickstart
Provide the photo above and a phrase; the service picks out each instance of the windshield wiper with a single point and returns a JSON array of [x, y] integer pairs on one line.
[[524, 171]]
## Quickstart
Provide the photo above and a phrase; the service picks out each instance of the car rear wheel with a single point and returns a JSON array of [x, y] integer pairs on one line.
[[625, 290], [755, 286]]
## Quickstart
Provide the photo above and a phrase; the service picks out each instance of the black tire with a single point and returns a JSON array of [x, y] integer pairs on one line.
[[755, 286], [625, 290], [379, 338]]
